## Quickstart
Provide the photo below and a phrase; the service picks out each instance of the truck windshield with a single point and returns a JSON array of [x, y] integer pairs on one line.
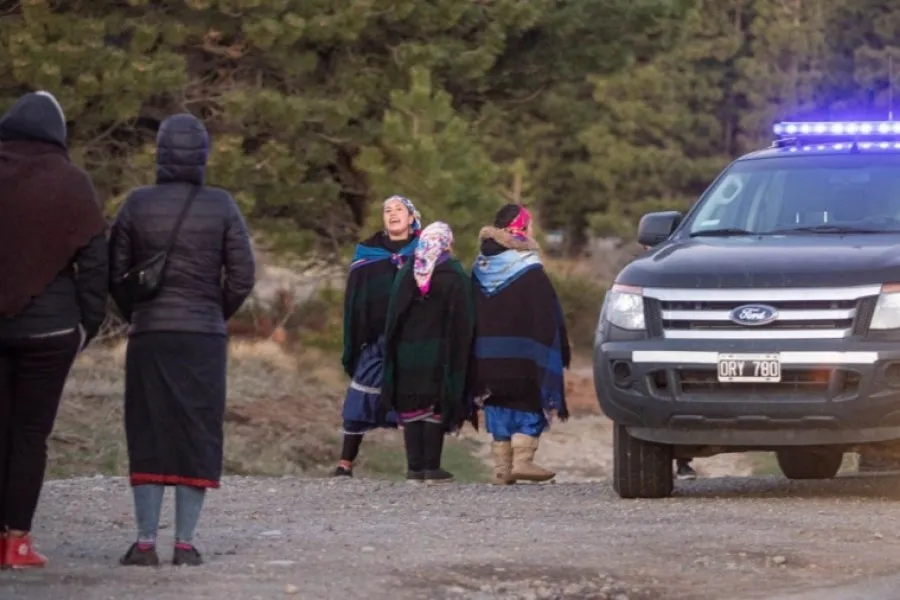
[[810, 194]]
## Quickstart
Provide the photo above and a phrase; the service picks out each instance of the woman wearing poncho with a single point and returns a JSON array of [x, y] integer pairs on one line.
[[429, 332], [372, 273], [521, 345]]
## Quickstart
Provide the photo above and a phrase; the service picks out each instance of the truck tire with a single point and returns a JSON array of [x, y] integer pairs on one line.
[[806, 463], [641, 469]]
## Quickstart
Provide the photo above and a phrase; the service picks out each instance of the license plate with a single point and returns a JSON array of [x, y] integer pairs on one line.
[[749, 368]]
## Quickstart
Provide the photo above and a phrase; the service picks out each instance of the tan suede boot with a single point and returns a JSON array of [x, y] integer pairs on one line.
[[503, 457], [524, 448]]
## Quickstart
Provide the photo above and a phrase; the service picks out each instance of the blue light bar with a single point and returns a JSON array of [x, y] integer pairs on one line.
[[846, 146], [834, 128]]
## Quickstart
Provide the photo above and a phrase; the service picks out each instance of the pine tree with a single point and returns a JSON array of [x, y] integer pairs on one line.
[[783, 75], [428, 153], [664, 126]]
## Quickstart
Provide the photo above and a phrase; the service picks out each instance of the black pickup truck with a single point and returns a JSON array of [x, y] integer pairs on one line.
[[765, 319]]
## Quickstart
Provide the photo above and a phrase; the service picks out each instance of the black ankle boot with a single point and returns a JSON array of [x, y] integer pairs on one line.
[[414, 441], [434, 448]]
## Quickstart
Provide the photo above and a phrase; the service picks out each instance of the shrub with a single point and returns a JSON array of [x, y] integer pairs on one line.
[[581, 296]]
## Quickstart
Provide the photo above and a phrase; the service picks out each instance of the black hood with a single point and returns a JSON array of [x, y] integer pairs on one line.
[[35, 117], [182, 147], [806, 260]]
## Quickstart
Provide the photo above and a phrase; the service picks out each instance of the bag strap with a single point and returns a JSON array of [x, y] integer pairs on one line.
[[187, 205]]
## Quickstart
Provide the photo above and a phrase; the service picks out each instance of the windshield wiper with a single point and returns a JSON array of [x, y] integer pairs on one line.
[[722, 232], [833, 229]]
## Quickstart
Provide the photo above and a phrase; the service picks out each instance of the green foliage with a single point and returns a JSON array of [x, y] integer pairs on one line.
[[590, 111], [318, 109]]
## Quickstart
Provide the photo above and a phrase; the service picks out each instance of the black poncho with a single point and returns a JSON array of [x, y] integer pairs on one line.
[[372, 273], [521, 343]]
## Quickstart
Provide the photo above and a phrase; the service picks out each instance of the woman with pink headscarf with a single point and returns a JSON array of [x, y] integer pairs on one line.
[[521, 346], [430, 327]]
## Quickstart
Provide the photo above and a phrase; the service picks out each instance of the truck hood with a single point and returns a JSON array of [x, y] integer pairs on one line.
[[798, 260]]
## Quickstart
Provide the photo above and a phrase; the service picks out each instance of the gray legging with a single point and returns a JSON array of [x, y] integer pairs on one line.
[[148, 505]]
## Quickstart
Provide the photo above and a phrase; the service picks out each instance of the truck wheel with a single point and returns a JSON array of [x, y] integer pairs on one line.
[[805, 463], [641, 469]]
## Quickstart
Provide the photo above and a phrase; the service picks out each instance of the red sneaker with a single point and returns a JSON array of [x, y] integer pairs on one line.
[[20, 554], [3, 553]]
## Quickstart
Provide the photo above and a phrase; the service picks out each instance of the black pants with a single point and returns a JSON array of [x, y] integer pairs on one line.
[[33, 372], [424, 445], [350, 449]]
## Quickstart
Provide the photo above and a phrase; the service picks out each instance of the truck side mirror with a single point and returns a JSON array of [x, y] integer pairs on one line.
[[656, 227]]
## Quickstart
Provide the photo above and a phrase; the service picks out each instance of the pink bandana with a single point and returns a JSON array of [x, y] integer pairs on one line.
[[520, 224]]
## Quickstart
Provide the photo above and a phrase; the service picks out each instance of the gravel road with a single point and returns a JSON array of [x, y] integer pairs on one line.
[[735, 538]]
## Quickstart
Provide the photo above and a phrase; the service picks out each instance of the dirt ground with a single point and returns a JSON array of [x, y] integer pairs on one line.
[[718, 538]]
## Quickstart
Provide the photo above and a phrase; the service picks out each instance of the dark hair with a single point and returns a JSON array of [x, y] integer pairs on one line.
[[506, 215]]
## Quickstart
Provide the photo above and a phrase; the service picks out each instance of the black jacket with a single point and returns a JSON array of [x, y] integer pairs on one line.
[[78, 294], [211, 269]]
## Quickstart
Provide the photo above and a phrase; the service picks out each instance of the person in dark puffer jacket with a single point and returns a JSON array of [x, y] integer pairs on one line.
[[175, 367], [53, 289]]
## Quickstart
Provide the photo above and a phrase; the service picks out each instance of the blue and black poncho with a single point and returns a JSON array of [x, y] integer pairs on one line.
[[521, 344]]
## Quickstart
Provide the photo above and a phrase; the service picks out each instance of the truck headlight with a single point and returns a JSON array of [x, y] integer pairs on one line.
[[624, 307], [887, 309]]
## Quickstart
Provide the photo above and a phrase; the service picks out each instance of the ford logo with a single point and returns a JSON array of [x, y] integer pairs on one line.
[[753, 314]]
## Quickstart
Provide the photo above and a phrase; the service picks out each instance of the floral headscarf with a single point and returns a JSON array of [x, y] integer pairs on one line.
[[434, 247], [417, 222], [519, 225]]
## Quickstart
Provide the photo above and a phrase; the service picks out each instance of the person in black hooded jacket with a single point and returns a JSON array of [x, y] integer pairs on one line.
[[175, 368], [53, 288]]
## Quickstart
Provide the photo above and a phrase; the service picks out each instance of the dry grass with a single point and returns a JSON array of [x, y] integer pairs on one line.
[[282, 415], [282, 418]]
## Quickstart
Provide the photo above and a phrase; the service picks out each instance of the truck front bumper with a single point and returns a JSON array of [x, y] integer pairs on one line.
[[670, 393]]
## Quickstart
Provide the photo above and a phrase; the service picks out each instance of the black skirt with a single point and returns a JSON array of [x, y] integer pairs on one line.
[[175, 387]]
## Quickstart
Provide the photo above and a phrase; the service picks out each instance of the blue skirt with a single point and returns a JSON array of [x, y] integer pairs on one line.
[[503, 422], [361, 404]]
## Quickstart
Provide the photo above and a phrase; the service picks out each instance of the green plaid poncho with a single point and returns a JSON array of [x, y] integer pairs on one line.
[[429, 343]]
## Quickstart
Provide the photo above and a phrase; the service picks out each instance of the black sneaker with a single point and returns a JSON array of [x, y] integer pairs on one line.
[[138, 557], [188, 557], [342, 471], [438, 476], [686, 472], [415, 476]]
